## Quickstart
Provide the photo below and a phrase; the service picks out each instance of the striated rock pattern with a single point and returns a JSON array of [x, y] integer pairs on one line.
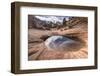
[[65, 41]]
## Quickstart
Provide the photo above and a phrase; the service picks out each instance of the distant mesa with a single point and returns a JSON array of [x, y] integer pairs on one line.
[[45, 22], [48, 22]]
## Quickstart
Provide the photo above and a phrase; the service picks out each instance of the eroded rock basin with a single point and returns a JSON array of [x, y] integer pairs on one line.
[[61, 43]]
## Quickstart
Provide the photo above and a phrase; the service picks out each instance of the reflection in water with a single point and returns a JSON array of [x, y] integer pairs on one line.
[[60, 43]]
